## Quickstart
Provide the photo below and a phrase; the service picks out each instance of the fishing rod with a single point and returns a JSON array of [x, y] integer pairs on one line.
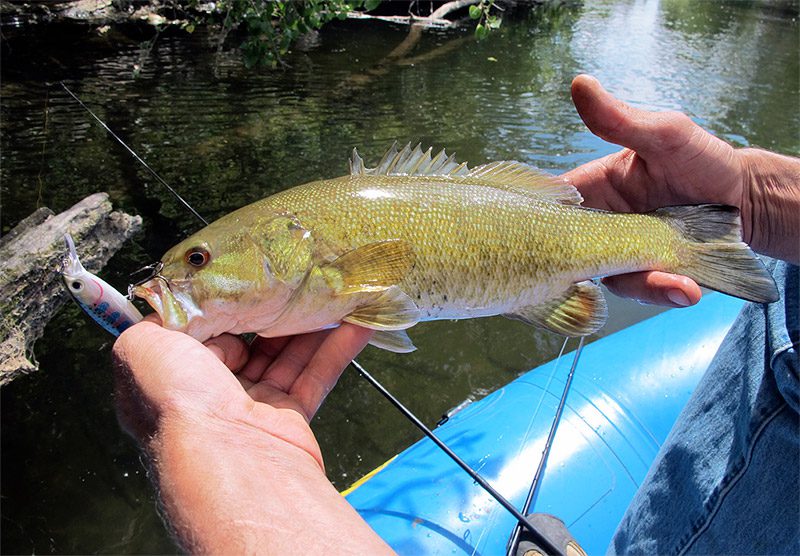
[[522, 521], [548, 445]]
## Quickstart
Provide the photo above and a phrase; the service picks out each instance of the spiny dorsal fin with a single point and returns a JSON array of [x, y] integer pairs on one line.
[[580, 311], [410, 162], [517, 176]]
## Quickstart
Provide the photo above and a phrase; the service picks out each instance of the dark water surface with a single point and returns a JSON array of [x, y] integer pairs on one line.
[[224, 136]]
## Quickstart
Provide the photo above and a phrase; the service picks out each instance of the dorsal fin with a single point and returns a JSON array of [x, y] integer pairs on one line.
[[410, 162], [507, 174], [518, 176]]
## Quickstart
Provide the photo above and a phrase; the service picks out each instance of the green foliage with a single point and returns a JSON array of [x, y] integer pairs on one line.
[[270, 27], [486, 21]]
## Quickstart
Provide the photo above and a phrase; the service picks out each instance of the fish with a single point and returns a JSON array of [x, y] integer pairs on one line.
[[423, 237], [108, 307]]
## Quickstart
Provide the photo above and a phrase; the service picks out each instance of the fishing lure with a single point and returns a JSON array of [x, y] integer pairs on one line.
[[100, 300]]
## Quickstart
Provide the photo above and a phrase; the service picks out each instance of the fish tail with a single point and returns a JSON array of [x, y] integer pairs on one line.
[[716, 256]]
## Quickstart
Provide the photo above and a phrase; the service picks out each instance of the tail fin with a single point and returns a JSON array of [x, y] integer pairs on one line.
[[717, 257]]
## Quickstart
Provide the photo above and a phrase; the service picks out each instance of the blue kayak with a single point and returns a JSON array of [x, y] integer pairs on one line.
[[627, 392]]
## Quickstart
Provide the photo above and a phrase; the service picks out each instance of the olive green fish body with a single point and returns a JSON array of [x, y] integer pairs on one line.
[[422, 238], [479, 250]]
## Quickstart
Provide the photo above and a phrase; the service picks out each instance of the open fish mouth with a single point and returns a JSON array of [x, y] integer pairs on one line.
[[175, 310]]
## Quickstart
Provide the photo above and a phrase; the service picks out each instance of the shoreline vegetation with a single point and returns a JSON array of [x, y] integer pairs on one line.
[[263, 31]]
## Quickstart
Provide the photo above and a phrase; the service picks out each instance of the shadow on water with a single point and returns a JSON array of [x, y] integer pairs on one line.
[[225, 136]]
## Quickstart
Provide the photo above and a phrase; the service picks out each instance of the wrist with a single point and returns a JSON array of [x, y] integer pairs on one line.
[[224, 486], [771, 203]]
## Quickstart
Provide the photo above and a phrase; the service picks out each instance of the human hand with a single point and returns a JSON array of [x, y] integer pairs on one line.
[[274, 384], [225, 428], [670, 160]]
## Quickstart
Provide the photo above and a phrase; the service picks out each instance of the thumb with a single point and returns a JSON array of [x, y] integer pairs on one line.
[[618, 122], [162, 373]]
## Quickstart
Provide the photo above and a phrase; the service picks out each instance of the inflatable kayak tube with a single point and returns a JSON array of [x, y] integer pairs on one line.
[[627, 391]]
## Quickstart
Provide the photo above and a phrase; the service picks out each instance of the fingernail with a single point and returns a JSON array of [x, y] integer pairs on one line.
[[678, 298]]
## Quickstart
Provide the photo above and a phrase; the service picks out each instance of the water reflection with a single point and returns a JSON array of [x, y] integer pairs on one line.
[[225, 136]]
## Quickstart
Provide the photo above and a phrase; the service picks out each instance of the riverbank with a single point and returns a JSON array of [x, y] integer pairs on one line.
[[265, 33]]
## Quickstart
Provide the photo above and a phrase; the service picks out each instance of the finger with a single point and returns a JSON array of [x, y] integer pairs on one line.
[[327, 365], [263, 352], [291, 361], [230, 349], [655, 288], [146, 348], [617, 122], [599, 180]]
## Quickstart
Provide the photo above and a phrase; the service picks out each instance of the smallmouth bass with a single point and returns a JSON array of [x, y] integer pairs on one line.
[[422, 237]]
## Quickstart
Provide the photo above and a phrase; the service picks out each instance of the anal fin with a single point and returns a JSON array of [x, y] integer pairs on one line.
[[393, 340], [580, 311]]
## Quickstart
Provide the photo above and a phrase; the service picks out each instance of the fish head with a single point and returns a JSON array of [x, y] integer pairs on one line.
[[218, 280]]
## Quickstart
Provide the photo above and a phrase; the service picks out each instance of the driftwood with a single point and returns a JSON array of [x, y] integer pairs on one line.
[[31, 289], [436, 19]]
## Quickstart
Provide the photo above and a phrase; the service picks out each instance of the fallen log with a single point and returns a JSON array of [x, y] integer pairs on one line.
[[31, 289]]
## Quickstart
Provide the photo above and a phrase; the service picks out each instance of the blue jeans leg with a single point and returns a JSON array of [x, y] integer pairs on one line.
[[727, 479]]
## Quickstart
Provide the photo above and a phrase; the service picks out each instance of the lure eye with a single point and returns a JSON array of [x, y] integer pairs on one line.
[[76, 286], [197, 257]]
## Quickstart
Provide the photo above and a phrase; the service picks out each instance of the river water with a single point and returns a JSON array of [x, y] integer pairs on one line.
[[224, 136]]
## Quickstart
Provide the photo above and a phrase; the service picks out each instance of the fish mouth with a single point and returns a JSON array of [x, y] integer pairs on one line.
[[175, 310]]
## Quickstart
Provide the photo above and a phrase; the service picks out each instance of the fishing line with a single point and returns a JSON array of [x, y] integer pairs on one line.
[[534, 488], [136, 156], [522, 521]]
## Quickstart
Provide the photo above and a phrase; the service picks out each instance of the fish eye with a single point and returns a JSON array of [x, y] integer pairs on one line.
[[197, 257], [77, 286]]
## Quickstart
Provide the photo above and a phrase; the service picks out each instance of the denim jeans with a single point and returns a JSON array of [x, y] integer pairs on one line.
[[727, 479]]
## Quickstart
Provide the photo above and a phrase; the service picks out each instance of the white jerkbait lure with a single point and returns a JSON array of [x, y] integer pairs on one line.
[[100, 300]]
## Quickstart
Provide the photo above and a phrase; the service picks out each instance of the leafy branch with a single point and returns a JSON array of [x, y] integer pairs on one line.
[[270, 27], [486, 21]]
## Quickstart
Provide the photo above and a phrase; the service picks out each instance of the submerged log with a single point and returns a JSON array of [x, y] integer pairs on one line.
[[31, 289]]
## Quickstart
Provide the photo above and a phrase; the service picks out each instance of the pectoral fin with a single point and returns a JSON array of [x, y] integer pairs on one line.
[[372, 267], [393, 340], [580, 311], [389, 310]]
